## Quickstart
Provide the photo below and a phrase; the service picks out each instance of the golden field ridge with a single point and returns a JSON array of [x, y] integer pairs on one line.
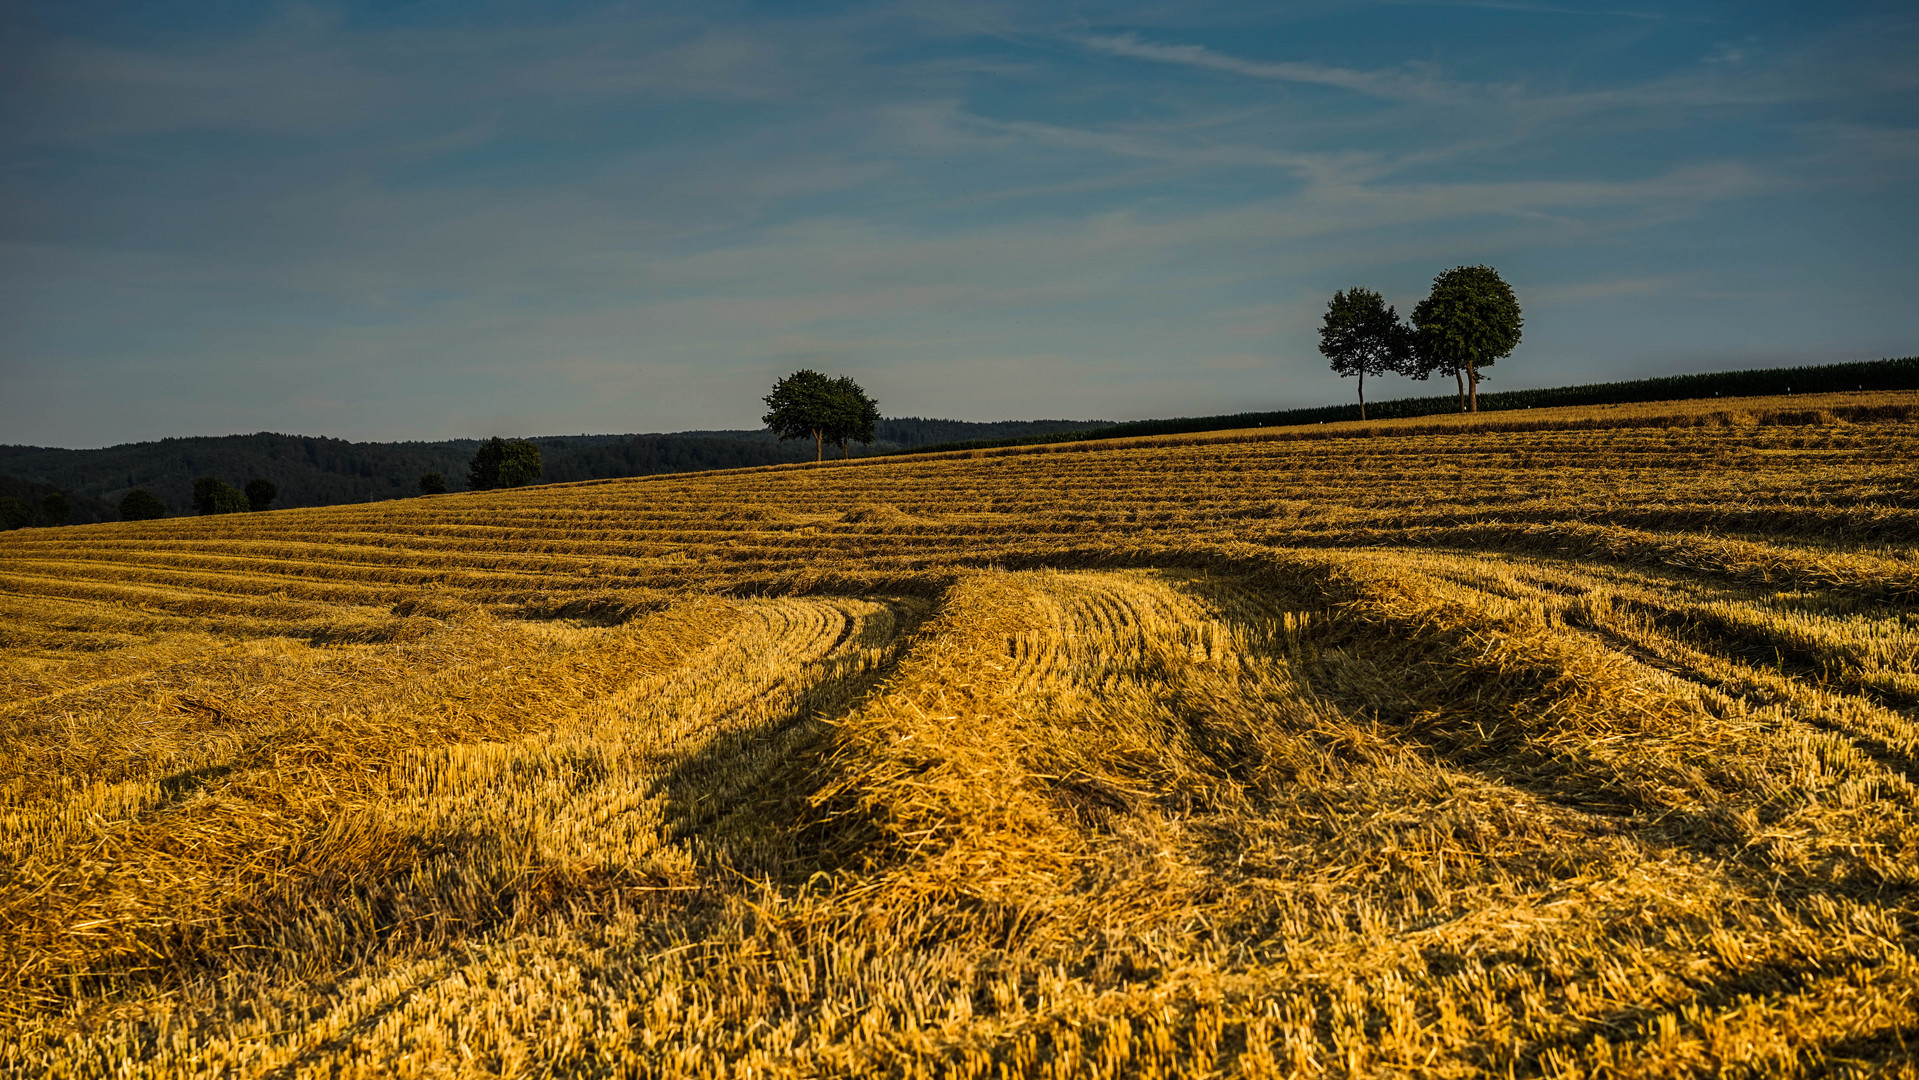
[[1578, 746]]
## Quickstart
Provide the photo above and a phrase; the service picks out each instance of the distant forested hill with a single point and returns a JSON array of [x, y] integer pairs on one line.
[[81, 509], [308, 471], [317, 471], [909, 432]]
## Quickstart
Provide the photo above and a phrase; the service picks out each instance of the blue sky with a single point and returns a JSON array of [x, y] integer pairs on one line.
[[424, 220]]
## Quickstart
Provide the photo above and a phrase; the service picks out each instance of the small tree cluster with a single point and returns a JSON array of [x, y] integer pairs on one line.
[[1469, 320], [212, 495], [830, 410], [432, 483], [501, 463], [141, 505]]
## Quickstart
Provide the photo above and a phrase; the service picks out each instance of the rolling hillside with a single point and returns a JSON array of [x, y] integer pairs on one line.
[[316, 471], [1580, 742]]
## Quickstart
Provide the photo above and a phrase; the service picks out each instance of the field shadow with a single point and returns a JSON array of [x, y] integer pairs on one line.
[[748, 800], [180, 785], [1429, 684]]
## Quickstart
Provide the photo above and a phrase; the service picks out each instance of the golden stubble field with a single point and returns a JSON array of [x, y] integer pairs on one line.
[[1570, 744]]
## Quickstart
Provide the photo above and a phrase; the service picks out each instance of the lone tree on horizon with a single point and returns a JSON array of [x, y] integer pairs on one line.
[[1362, 336], [500, 463], [1470, 319], [807, 403]]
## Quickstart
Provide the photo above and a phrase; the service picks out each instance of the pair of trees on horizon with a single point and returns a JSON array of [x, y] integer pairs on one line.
[[1470, 320], [831, 410]]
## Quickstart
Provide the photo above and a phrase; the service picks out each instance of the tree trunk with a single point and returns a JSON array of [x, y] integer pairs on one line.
[[819, 445], [1460, 376], [1362, 393], [1472, 380]]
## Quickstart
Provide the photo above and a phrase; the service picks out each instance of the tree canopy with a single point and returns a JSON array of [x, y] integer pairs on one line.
[[808, 403], [260, 494], [1470, 319], [502, 463], [432, 483], [855, 414], [212, 495], [1362, 336], [141, 505], [55, 508]]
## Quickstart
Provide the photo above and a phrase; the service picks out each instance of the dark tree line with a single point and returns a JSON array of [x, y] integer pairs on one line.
[[308, 470], [24, 504], [911, 431], [212, 495], [649, 455], [1470, 320], [16, 513], [313, 471]]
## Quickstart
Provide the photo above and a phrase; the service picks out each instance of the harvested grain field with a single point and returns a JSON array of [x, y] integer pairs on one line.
[[1568, 745]]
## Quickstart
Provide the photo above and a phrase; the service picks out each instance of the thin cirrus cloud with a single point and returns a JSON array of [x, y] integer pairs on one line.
[[1382, 84], [339, 220]]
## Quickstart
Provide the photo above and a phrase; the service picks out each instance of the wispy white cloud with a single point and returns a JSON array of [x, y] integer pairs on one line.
[[1395, 84], [631, 219], [1648, 15], [1823, 71]]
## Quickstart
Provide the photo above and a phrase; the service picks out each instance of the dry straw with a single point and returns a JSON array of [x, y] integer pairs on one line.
[[1563, 745]]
